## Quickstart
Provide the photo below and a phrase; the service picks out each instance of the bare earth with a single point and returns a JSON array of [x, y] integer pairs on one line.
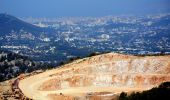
[[98, 78]]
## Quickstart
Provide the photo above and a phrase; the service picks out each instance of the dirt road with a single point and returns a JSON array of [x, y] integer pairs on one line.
[[113, 73]]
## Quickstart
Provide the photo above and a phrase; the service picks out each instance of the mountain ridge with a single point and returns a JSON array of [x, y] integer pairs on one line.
[[9, 23]]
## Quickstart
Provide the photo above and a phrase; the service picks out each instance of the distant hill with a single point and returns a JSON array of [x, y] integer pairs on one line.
[[163, 21], [10, 23]]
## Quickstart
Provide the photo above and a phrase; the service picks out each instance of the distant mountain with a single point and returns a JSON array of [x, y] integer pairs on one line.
[[163, 21], [10, 23]]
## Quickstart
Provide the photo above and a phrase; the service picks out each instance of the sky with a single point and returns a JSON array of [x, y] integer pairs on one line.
[[78, 8]]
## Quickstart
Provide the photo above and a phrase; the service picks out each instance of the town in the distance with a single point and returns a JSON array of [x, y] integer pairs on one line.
[[58, 39]]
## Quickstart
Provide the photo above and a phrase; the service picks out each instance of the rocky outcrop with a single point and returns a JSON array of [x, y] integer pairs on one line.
[[113, 70]]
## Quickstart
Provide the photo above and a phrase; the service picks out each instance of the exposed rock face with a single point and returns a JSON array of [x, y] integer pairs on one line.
[[114, 70], [117, 72]]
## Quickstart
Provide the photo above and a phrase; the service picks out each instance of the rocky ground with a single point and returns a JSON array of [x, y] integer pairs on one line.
[[101, 77], [9, 89]]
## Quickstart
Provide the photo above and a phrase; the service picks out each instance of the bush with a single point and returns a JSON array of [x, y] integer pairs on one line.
[[158, 93]]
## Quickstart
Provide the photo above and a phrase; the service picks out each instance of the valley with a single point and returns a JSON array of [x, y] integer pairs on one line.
[[59, 39]]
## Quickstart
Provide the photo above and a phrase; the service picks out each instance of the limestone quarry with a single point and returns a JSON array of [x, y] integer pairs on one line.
[[98, 78]]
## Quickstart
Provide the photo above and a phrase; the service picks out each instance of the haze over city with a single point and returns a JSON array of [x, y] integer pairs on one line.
[[77, 8]]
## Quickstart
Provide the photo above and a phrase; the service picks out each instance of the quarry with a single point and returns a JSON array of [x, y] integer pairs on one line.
[[100, 77]]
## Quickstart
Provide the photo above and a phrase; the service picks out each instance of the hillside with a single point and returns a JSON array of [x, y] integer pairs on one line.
[[12, 65], [9, 24], [99, 77]]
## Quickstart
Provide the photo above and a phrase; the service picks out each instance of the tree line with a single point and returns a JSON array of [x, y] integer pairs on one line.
[[162, 92]]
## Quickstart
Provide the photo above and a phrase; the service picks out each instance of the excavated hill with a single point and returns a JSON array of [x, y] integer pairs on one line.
[[98, 78]]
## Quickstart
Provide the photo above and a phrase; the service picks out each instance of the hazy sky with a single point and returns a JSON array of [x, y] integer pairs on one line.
[[70, 8]]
